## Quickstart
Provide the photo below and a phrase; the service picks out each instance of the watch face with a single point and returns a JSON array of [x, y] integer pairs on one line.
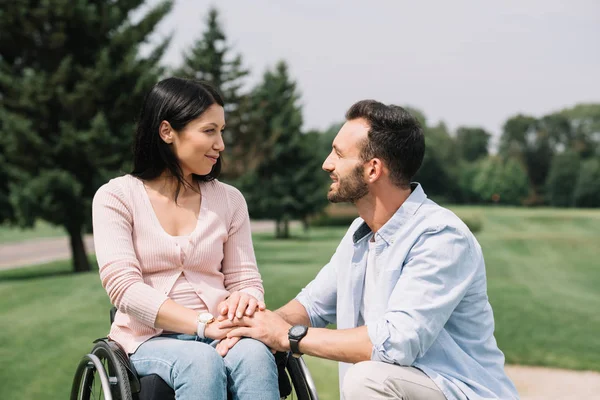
[[297, 330], [205, 318]]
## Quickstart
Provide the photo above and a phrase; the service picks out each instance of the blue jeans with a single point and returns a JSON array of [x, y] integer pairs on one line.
[[194, 369]]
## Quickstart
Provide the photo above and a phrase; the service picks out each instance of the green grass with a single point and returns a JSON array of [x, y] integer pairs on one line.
[[11, 234], [543, 274]]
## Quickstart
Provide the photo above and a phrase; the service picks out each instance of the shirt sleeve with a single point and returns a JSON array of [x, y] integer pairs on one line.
[[120, 270], [319, 297], [438, 271], [239, 262]]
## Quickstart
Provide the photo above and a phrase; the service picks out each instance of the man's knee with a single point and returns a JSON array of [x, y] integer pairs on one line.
[[373, 379], [362, 381]]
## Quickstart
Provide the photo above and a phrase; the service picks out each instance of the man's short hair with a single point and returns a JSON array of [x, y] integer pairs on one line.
[[395, 136]]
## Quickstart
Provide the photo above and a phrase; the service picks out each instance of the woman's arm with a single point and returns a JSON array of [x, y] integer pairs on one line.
[[239, 262], [120, 270]]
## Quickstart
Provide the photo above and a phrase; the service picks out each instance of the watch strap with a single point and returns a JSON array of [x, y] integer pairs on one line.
[[200, 330], [295, 347]]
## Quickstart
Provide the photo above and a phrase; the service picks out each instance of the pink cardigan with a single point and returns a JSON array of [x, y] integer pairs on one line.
[[139, 262]]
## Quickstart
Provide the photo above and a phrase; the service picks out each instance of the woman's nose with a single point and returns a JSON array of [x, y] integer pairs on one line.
[[219, 144]]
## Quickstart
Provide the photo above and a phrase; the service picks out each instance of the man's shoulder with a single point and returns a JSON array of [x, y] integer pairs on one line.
[[433, 216]]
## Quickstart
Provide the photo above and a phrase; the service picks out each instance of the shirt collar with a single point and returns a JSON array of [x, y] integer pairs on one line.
[[406, 210]]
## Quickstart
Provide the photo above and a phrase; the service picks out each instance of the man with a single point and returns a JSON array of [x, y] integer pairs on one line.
[[406, 285]]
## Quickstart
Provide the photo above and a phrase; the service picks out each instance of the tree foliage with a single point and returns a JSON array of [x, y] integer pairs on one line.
[[71, 81], [212, 59]]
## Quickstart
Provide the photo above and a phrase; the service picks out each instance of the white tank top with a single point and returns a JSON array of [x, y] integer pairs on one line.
[[182, 292]]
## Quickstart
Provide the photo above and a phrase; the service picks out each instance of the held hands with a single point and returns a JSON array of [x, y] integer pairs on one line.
[[239, 304], [236, 305], [265, 326]]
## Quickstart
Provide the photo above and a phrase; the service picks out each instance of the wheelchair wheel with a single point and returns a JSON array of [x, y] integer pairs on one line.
[[101, 375], [302, 382]]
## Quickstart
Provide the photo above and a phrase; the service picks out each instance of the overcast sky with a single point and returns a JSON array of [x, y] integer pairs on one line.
[[463, 62]]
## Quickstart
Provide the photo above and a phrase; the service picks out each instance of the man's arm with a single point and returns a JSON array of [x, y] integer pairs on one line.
[[348, 345], [294, 313]]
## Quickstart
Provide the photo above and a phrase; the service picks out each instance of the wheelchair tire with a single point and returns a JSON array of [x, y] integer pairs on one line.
[[304, 386], [101, 375]]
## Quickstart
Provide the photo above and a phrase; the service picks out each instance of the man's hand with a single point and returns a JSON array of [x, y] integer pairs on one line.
[[265, 326], [239, 304]]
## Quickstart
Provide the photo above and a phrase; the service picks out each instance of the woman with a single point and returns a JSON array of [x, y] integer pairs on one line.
[[174, 248]]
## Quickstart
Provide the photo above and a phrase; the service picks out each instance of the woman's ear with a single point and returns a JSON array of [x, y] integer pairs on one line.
[[166, 132]]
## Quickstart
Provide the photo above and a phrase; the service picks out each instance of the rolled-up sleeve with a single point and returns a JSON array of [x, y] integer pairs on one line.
[[120, 270], [438, 271], [319, 297]]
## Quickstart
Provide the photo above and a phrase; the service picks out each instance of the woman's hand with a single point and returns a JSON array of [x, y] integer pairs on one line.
[[215, 331], [239, 304]]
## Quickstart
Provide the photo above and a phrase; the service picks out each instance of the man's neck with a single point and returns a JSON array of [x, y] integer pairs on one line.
[[382, 202]]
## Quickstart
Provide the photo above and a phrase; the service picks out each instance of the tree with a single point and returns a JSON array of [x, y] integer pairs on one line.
[[210, 59], [501, 181], [523, 139], [472, 143], [584, 120], [587, 189], [6, 210], [466, 177], [439, 171], [286, 184], [71, 81], [562, 178]]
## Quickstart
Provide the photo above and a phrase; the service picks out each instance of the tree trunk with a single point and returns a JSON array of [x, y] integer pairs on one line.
[[286, 228], [78, 253], [305, 224], [277, 229]]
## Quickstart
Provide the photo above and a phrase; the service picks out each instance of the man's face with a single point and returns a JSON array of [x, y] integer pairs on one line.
[[344, 164]]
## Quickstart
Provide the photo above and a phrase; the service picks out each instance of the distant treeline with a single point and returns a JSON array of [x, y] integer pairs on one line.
[[72, 80]]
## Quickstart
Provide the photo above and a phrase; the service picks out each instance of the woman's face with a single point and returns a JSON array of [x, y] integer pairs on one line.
[[197, 146]]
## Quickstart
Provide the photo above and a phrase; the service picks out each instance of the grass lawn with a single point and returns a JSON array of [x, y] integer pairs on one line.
[[11, 234], [543, 274]]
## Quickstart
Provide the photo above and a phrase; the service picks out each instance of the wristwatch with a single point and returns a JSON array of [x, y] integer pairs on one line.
[[203, 320], [295, 334]]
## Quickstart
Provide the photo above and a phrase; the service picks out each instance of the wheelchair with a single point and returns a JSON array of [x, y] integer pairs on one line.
[[106, 373]]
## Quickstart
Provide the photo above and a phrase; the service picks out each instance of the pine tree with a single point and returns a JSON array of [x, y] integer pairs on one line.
[[211, 60], [71, 84], [288, 183]]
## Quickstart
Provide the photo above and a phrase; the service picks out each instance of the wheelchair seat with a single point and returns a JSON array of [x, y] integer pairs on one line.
[[107, 373]]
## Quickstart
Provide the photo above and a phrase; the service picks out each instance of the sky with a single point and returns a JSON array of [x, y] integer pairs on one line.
[[473, 63]]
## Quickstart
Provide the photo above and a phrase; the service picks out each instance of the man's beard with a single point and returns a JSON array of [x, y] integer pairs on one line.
[[349, 189]]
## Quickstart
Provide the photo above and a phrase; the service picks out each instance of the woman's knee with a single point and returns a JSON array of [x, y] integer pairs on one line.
[[198, 360], [252, 355]]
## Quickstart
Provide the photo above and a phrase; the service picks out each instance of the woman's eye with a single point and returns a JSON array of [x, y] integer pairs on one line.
[[209, 130]]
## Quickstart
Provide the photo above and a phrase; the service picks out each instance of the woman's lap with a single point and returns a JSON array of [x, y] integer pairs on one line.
[[191, 366]]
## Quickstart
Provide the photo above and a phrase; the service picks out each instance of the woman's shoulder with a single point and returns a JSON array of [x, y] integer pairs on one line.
[[119, 187], [119, 184], [226, 191]]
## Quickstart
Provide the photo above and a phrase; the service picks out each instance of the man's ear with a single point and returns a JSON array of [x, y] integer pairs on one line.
[[166, 132], [374, 170]]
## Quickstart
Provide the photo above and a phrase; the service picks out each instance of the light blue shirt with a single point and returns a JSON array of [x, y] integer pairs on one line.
[[433, 311]]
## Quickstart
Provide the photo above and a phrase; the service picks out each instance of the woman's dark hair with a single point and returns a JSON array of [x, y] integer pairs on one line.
[[395, 136], [177, 101]]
